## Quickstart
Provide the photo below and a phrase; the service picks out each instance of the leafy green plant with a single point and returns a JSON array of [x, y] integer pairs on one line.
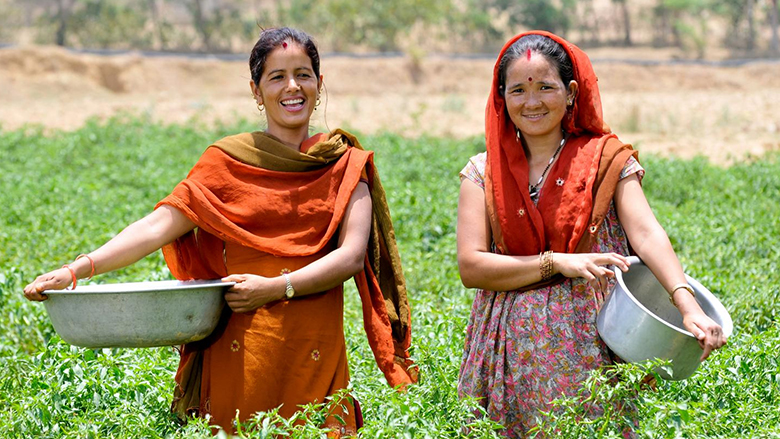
[[717, 402], [65, 193]]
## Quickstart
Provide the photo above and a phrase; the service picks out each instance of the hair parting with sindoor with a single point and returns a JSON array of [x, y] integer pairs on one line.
[[549, 48], [272, 38]]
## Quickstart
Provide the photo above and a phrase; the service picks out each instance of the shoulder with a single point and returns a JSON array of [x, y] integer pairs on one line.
[[344, 136], [475, 169], [629, 162], [340, 137]]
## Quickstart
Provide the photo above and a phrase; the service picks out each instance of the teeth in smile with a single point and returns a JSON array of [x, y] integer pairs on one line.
[[292, 102]]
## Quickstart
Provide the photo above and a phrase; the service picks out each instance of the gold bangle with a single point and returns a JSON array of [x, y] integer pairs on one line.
[[684, 286], [546, 264]]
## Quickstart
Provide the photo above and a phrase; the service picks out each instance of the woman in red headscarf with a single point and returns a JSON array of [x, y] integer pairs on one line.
[[554, 200]]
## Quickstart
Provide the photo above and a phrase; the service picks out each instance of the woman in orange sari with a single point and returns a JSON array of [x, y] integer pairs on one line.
[[554, 200], [289, 218]]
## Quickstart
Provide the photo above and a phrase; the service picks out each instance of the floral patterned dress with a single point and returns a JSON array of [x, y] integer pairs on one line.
[[525, 349]]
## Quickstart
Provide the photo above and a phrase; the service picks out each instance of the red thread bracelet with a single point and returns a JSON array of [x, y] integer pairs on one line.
[[91, 264], [73, 274]]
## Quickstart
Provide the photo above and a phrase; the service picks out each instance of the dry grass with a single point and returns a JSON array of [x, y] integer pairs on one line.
[[725, 113]]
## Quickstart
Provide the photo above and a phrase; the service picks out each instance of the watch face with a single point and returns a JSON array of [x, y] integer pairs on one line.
[[289, 291]]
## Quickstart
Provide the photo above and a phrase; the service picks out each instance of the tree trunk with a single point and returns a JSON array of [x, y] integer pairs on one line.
[[751, 36], [200, 23], [775, 46], [626, 23], [592, 25], [661, 28], [155, 14], [676, 37], [63, 8]]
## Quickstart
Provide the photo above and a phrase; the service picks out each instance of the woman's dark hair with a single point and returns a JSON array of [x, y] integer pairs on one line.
[[272, 38], [551, 49]]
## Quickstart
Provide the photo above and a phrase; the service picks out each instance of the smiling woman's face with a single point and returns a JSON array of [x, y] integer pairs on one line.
[[535, 95], [288, 89]]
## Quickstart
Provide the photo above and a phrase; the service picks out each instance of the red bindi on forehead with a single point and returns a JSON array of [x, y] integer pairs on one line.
[[530, 79], [284, 44]]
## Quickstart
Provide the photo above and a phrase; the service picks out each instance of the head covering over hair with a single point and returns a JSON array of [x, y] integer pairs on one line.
[[565, 212]]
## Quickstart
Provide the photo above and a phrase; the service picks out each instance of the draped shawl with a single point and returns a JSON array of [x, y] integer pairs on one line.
[[567, 216], [253, 190]]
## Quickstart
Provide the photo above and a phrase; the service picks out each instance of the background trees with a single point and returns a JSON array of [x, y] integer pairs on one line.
[[746, 27]]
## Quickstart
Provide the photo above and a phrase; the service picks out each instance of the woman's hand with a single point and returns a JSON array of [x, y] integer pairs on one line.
[[133, 243], [53, 280], [251, 291], [707, 332], [590, 266]]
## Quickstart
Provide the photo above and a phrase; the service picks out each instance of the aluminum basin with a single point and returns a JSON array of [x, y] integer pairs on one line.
[[638, 322], [138, 314]]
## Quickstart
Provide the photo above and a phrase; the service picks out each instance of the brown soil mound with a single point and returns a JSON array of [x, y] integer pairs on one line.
[[725, 113]]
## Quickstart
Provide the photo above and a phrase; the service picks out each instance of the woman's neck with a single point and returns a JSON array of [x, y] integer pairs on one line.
[[290, 138], [541, 148]]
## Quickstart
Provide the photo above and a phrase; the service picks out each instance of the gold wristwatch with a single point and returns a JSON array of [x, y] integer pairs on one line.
[[289, 291]]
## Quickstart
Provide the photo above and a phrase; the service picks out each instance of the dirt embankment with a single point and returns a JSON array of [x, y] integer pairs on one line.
[[724, 113]]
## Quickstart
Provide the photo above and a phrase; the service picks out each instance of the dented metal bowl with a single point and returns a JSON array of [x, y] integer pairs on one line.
[[138, 314], [638, 322]]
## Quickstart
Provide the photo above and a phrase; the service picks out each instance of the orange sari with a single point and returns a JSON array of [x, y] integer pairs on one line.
[[263, 208]]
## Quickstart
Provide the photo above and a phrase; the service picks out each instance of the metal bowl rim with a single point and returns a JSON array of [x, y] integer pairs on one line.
[[698, 287], [162, 286]]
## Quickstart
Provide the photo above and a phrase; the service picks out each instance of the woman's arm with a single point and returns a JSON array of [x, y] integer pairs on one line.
[[252, 291], [133, 243], [651, 244], [480, 268]]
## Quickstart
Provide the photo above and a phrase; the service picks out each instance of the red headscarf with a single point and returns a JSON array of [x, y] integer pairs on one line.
[[590, 158]]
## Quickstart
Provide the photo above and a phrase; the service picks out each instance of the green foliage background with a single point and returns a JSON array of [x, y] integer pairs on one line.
[[66, 193], [411, 26]]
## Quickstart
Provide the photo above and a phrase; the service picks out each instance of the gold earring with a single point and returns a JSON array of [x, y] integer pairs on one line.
[[517, 134], [260, 107], [317, 104]]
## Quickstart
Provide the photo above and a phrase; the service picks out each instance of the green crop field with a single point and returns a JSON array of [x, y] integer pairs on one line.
[[66, 193]]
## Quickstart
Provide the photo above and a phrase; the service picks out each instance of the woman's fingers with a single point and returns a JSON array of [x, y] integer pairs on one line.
[[615, 259], [712, 340], [49, 281], [48, 284], [707, 350], [589, 265], [32, 293], [716, 337], [238, 296], [708, 333], [235, 299], [623, 263], [604, 281], [237, 278], [233, 294], [598, 277], [701, 337]]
